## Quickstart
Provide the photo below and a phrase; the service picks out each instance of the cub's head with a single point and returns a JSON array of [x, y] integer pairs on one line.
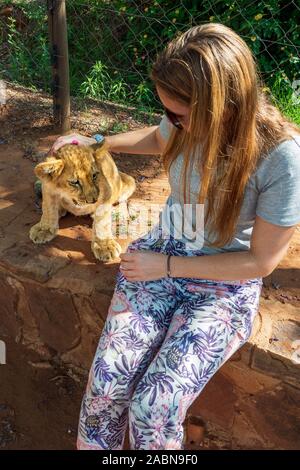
[[80, 173]]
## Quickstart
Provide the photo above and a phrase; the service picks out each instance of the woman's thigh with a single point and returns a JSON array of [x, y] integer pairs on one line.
[[206, 329], [137, 321]]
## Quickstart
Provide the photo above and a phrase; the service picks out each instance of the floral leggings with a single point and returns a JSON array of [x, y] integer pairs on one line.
[[162, 342]]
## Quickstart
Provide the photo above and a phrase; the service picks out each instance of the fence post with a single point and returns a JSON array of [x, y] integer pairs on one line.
[[57, 25]]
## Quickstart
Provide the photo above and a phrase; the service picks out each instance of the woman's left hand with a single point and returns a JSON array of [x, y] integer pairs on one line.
[[143, 266]]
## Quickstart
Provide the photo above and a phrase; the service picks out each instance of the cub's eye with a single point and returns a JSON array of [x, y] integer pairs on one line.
[[74, 183], [95, 175]]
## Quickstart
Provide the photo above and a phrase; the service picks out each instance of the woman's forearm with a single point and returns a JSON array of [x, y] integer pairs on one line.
[[141, 141], [222, 266]]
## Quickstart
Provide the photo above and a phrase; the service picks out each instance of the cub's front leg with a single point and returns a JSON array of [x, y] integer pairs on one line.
[[104, 247], [46, 229]]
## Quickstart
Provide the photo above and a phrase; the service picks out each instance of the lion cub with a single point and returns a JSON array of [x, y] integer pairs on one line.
[[82, 180]]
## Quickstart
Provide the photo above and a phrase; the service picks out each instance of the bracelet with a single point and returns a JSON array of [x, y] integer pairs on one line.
[[99, 138], [168, 266]]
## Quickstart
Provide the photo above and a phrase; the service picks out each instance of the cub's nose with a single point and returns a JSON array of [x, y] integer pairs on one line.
[[92, 195], [91, 199]]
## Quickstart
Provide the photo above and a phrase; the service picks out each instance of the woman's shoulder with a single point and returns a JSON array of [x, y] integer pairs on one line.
[[288, 149], [278, 184], [281, 160]]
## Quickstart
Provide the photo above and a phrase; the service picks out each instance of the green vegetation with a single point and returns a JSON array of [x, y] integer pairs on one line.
[[112, 44]]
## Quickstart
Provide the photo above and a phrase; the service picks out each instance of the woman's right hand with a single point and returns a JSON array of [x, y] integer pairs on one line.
[[69, 139]]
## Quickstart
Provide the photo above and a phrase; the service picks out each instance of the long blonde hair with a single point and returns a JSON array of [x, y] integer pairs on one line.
[[212, 70]]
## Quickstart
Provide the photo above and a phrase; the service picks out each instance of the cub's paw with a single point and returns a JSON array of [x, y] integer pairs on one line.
[[106, 250], [40, 234]]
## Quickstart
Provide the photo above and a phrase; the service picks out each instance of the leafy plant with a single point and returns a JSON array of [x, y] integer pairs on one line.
[[112, 44]]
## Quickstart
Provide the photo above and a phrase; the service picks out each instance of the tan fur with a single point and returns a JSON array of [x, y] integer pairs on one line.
[[101, 186]]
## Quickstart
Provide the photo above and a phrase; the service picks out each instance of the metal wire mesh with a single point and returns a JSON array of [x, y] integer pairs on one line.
[[112, 44]]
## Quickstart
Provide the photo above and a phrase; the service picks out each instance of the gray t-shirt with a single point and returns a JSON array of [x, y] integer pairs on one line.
[[272, 192]]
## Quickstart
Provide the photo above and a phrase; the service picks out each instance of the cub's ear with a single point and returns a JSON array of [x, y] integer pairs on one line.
[[49, 169]]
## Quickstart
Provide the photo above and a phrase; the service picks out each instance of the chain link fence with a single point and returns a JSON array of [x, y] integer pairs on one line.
[[112, 44]]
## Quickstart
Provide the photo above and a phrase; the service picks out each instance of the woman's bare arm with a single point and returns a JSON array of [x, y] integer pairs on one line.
[[142, 141]]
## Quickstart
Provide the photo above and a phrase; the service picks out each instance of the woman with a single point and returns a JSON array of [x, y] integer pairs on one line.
[[168, 332]]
